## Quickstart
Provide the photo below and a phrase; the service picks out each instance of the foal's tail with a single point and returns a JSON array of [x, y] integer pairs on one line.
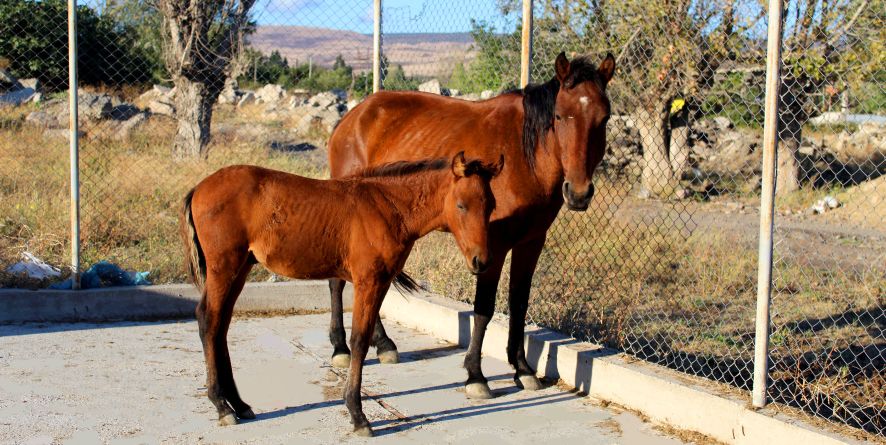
[[405, 284], [194, 258]]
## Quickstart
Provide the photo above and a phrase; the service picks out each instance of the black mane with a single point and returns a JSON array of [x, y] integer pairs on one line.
[[539, 101]]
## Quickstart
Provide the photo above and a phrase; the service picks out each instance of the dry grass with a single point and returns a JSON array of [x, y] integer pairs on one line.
[[130, 191]]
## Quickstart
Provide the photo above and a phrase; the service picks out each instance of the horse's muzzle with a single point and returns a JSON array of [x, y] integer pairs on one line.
[[577, 201]]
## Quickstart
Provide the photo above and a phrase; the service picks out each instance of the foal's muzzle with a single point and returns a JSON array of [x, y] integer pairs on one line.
[[577, 200], [478, 266]]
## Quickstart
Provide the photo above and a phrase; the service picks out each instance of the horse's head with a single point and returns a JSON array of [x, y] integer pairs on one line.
[[580, 115], [467, 208]]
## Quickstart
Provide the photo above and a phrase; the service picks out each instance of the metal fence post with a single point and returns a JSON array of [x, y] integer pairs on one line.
[[526, 40], [376, 46], [74, 143], [767, 202]]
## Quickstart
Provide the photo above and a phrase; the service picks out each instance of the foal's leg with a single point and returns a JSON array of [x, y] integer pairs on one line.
[[477, 386], [367, 302], [524, 258], [223, 285], [341, 355]]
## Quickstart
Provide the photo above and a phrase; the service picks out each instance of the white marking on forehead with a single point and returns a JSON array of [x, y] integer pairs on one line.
[[584, 101]]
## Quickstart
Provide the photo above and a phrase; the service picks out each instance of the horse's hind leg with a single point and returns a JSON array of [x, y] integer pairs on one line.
[[223, 286], [341, 355], [367, 303], [384, 346]]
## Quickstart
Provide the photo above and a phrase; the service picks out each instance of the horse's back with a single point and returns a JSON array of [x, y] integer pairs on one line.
[[404, 126]]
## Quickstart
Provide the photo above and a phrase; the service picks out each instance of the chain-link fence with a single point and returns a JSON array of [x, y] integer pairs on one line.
[[663, 265]]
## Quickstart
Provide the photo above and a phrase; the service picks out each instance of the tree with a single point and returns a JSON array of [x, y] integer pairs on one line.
[[202, 39], [34, 40], [826, 43]]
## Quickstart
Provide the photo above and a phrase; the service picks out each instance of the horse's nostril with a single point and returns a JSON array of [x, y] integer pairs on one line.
[[476, 262]]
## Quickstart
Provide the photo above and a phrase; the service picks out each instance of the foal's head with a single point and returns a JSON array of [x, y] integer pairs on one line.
[[580, 113], [467, 208]]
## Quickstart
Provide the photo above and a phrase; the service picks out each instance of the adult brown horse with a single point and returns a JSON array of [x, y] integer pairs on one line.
[[554, 136], [355, 229]]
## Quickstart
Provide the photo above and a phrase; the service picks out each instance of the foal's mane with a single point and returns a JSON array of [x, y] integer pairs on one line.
[[406, 168], [539, 101], [402, 168]]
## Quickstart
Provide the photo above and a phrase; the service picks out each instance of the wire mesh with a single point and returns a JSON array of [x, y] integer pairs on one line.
[[662, 265]]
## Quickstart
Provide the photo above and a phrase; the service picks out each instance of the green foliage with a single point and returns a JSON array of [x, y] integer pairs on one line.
[[736, 97], [33, 37], [275, 69]]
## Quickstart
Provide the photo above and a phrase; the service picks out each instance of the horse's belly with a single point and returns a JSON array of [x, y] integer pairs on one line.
[[300, 260]]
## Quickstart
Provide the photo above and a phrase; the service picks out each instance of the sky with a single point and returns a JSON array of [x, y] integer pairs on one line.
[[399, 16]]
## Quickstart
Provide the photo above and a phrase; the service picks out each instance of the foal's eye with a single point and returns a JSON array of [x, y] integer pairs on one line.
[[558, 117], [461, 206]]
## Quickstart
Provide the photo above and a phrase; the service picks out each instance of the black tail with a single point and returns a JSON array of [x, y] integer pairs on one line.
[[406, 285]]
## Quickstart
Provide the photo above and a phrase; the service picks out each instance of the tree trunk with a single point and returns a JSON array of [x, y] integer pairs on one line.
[[791, 118], [193, 109], [679, 146], [658, 178]]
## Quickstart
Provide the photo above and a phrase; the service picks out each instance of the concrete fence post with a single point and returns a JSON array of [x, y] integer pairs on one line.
[[74, 143], [376, 46], [767, 202], [526, 44]]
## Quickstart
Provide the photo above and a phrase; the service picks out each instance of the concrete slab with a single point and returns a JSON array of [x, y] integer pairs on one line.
[[142, 382]]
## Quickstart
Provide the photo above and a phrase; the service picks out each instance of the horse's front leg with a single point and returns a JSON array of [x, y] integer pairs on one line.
[[477, 387], [368, 297], [524, 259]]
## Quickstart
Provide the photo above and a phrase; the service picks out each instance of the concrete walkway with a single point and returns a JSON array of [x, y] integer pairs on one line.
[[135, 383]]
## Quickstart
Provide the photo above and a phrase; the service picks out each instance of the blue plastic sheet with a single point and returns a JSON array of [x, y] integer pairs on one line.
[[105, 274]]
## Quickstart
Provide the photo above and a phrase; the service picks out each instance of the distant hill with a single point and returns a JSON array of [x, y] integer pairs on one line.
[[425, 54]]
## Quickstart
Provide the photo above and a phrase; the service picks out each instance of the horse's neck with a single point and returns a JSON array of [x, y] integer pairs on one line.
[[418, 198]]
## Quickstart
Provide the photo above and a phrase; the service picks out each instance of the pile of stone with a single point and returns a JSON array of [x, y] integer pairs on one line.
[[99, 114], [158, 100], [15, 92]]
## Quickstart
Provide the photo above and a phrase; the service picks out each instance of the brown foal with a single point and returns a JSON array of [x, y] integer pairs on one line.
[[359, 229]]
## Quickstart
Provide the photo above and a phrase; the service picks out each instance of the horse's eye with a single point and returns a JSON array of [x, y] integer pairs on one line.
[[461, 206], [558, 117]]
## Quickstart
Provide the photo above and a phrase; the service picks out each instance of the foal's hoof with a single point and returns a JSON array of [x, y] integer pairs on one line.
[[478, 390], [528, 382], [227, 420], [247, 414], [389, 357], [341, 360], [363, 431]]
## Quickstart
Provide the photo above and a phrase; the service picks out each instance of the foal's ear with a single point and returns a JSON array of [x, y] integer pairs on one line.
[[495, 169], [607, 68], [561, 65], [459, 165]]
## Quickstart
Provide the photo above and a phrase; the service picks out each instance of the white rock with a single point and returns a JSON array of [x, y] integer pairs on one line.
[[353, 103], [161, 107], [247, 98], [270, 93], [324, 100], [17, 97], [486, 94], [432, 86]]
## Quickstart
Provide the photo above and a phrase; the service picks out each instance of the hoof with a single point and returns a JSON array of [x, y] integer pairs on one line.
[[363, 431], [478, 391], [389, 357], [528, 382], [227, 420], [247, 414], [341, 360]]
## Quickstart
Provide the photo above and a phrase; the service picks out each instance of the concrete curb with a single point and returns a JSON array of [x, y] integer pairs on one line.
[[157, 302], [664, 395]]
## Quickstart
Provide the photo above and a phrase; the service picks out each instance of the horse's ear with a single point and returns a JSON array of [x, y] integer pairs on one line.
[[459, 165], [495, 169], [562, 67], [607, 68]]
